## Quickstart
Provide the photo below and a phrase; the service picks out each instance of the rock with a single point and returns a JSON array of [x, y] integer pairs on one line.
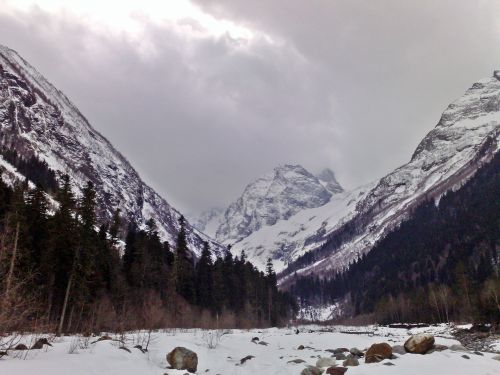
[[301, 347], [419, 344], [399, 349], [298, 360], [353, 361], [103, 338], [254, 339], [378, 352], [21, 347], [248, 357], [340, 356], [394, 356], [183, 359], [311, 370], [478, 353], [336, 370], [340, 350], [125, 348], [40, 343], [325, 362], [465, 356], [389, 364], [356, 352], [458, 348], [140, 348], [496, 358], [263, 343]]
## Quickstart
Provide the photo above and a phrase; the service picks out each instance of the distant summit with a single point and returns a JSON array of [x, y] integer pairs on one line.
[[327, 177]]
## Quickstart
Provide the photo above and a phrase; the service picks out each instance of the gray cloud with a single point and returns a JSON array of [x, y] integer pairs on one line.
[[352, 85]]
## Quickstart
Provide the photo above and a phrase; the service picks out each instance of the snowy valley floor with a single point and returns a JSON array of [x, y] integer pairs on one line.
[[77, 356]]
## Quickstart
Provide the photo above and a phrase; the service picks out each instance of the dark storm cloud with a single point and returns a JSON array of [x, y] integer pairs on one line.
[[352, 85]]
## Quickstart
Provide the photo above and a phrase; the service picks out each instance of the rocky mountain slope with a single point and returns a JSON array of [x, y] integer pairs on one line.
[[38, 119], [327, 233], [273, 202], [466, 136]]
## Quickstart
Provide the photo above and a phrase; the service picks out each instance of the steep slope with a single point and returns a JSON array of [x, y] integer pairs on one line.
[[466, 136], [208, 221], [275, 196], [38, 119], [328, 180]]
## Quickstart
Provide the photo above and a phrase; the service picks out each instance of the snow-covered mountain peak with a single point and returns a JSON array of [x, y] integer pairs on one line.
[[276, 195]]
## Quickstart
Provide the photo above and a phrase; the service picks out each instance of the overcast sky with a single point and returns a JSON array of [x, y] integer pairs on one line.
[[203, 96]]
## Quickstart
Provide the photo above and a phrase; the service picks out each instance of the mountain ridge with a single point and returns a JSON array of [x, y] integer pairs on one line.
[[38, 119]]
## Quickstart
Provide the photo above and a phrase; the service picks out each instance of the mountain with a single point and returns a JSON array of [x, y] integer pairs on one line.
[[208, 221], [328, 180], [37, 119], [277, 195], [445, 256], [466, 137], [267, 205]]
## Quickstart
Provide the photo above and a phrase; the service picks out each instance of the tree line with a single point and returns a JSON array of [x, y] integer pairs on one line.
[[440, 264], [63, 270]]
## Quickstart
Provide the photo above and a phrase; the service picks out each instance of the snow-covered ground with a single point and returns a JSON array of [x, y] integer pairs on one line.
[[105, 357]]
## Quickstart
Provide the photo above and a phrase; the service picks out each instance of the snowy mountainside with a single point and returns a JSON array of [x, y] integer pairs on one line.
[[208, 221], [38, 119], [277, 195], [288, 239], [466, 136]]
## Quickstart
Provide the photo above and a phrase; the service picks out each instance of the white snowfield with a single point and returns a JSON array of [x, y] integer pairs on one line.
[[105, 357]]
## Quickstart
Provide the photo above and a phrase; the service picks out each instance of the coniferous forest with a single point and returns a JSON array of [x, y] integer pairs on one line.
[[441, 264], [62, 270]]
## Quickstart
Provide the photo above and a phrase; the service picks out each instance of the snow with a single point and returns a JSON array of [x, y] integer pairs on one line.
[[105, 357]]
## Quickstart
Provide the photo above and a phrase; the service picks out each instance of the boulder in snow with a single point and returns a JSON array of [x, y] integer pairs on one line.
[[183, 359], [378, 352], [419, 344]]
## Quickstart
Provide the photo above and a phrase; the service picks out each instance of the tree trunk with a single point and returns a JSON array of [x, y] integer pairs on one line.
[[65, 304], [12, 265]]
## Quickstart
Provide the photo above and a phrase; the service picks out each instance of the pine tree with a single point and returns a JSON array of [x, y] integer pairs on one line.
[[204, 278], [183, 273]]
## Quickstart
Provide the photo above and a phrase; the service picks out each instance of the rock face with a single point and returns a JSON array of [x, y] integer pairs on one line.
[[328, 180], [183, 359], [278, 195], [419, 344], [378, 352], [36, 119]]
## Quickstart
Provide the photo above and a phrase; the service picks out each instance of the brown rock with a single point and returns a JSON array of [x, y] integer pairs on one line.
[[378, 352], [40, 343], [336, 370], [183, 359], [419, 344]]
